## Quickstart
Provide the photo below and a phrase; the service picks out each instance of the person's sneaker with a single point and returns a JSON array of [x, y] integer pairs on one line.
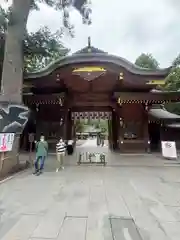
[[57, 170], [35, 172], [62, 168], [39, 173]]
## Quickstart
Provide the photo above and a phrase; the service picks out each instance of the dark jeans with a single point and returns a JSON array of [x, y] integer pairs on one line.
[[39, 163]]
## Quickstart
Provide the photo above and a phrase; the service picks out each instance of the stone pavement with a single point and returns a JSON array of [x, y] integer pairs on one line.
[[122, 202]]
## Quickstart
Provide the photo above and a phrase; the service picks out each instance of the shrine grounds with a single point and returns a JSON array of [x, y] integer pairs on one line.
[[135, 197]]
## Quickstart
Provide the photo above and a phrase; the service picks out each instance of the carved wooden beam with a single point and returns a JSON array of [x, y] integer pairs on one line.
[[152, 97], [91, 109], [91, 104], [44, 99], [91, 97]]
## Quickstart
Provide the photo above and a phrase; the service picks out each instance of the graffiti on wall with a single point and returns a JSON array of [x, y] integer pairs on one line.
[[13, 117]]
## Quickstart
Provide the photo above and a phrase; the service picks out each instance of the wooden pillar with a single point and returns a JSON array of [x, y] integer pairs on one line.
[[65, 117], [73, 133], [73, 130], [146, 131], [69, 125], [114, 129], [43, 125], [119, 130], [110, 133]]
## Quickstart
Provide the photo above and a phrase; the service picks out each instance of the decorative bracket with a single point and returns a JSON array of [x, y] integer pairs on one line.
[[121, 76]]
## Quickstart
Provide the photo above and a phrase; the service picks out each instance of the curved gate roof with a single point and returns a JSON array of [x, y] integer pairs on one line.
[[94, 55]]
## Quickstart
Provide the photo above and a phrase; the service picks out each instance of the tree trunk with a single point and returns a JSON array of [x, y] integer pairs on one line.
[[12, 73], [11, 106]]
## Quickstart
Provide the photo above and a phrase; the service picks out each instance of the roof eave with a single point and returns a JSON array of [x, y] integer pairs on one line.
[[163, 114], [97, 57]]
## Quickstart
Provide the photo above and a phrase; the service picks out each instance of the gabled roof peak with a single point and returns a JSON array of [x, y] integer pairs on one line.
[[89, 49]]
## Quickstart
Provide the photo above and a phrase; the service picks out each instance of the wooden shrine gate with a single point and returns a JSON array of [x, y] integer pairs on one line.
[[91, 84]]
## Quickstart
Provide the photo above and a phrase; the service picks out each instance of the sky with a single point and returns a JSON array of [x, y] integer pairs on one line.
[[124, 28]]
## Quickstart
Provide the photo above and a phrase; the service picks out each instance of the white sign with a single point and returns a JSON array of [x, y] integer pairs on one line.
[[6, 142], [98, 157], [169, 149]]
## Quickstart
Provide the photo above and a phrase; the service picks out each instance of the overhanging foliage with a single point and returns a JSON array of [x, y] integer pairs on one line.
[[40, 48]]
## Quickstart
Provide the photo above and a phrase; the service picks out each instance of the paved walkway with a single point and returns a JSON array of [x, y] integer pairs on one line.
[[92, 203]]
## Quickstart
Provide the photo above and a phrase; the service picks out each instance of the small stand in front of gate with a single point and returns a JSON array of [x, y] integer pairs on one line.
[[92, 158]]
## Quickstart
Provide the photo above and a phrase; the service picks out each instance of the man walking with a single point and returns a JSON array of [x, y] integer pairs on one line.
[[60, 152], [41, 154]]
